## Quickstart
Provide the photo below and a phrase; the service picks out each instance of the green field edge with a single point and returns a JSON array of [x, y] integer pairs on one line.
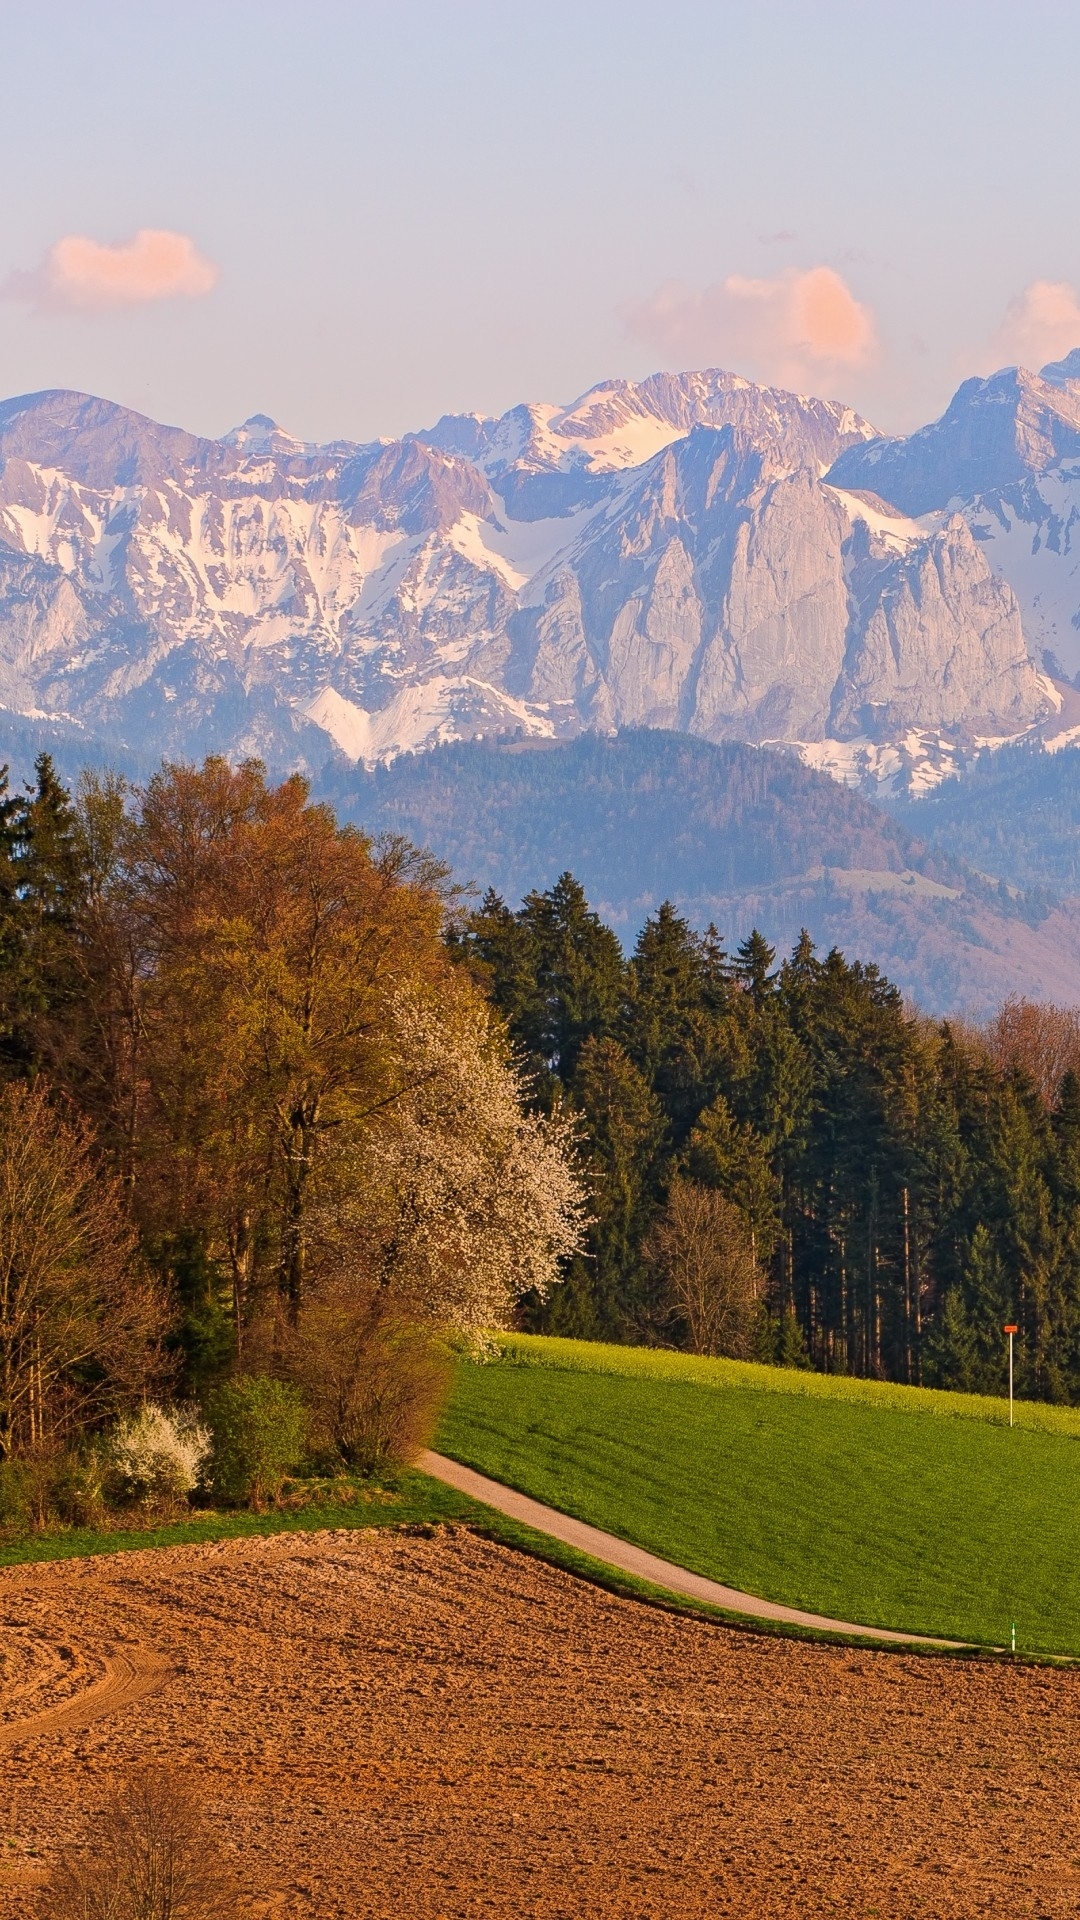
[[662, 1363], [921, 1638], [414, 1499], [420, 1501]]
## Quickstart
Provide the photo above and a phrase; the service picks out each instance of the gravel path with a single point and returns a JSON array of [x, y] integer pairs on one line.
[[607, 1547]]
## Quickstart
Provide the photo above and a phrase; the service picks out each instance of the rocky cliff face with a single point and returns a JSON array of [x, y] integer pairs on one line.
[[666, 554], [1006, 455], [725, 595]]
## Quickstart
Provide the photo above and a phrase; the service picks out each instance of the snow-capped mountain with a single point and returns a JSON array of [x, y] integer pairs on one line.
[[693, 552], [1006, 454]]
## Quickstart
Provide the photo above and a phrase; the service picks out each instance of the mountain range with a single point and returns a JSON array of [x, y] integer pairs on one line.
[[691, 553]]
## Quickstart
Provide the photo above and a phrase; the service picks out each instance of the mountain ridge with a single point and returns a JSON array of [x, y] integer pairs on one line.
[[691, 551]]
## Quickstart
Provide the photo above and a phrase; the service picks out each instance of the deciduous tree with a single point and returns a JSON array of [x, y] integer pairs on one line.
[[80, 1320], [701, 1247]]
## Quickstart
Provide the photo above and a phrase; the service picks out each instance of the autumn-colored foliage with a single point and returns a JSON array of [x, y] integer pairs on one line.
[[287, 1046], [258, 1072], [701, 1245], [80, 1317], [375, 1380], [1038, 1038]]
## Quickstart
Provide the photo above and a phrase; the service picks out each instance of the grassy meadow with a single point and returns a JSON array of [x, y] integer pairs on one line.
[[890, 1506]]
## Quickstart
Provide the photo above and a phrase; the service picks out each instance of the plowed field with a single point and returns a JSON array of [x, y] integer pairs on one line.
[[390, 1725]]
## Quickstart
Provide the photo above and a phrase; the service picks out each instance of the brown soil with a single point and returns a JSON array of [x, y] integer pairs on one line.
[[390, 1725]]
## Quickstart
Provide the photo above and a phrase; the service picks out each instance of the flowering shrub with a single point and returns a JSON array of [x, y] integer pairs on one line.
[[158, 1453]]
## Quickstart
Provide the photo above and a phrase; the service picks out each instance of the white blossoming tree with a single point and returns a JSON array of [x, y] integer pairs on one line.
[[460, 1200]]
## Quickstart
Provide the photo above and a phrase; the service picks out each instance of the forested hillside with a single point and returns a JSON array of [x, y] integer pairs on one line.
[[735, 834], [271, 1095], [644, 814], [785, 1162], [1014, 813]]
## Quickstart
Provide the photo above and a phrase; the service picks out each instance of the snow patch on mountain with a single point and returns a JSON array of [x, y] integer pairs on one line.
[[1031, 535], [420, 716], [520, 550], [914, 763], [897, 530]]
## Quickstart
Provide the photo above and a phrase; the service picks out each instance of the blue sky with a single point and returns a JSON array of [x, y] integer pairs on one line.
[[391, 211]]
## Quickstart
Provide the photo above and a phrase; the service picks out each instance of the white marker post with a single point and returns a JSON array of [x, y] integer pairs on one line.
[[1010, 1330]]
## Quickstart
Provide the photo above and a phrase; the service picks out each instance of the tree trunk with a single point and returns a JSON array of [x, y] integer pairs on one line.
[[907, 1290]]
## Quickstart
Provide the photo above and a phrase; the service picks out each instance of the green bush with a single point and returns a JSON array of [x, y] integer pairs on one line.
[[17, 1497], [259, 1429], [63, 1488], [77, 1493]]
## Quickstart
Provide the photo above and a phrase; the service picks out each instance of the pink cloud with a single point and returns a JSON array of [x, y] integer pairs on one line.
[[789, 330], [1041, 324], [79, 275]]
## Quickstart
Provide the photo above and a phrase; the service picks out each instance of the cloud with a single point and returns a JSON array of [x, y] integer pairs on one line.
[[790, 330], [1041, 324], [79, 275]]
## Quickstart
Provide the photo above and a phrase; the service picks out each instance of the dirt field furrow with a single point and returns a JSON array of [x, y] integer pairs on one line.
[[387, 1724]]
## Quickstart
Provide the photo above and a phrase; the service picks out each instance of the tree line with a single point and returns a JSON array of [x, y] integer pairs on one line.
[[785, 1161], [254, 1120]]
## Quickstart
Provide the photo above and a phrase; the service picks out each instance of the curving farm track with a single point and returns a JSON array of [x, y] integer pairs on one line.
[[614, 1552], [124, 1678]]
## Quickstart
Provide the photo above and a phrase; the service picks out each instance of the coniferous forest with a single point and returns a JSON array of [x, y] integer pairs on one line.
[[896, 1188]]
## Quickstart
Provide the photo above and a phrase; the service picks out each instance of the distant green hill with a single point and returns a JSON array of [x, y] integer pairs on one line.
[[638, 818], [1014, 814], [739, 835], [734, 834]]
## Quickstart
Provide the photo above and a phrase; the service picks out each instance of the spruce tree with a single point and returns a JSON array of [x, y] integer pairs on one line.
[[625, 1128], [678, 993], [724, 1153], [43, 888]]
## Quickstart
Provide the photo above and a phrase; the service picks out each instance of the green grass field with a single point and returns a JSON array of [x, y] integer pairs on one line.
[[890, 1506]]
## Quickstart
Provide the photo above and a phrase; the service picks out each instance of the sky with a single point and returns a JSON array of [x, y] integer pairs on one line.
[[356, 216]]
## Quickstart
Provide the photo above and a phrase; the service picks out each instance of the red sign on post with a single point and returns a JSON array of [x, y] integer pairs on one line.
[[1010, 1330]]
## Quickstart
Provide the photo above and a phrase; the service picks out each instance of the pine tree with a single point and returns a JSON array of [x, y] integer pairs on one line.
[[751, 967], [734, 1158], [625, 1129], [43, 888], [952, 1348], [556, 973], [678, 993], [791, 1347]]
